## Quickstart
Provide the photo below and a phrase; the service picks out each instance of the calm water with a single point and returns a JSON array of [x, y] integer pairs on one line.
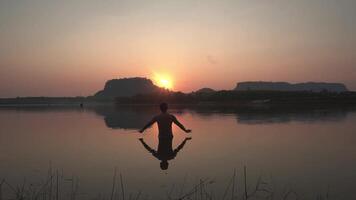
[[309, 152]]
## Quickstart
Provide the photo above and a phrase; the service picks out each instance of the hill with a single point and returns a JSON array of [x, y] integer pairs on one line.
[[285, 86], [205, 90], [127, 87]]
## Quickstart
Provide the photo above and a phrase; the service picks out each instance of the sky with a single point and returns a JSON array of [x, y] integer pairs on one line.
[[72, 47]]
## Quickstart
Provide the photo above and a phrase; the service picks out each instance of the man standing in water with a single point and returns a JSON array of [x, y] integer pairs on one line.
[[164, 121], [165, 151]]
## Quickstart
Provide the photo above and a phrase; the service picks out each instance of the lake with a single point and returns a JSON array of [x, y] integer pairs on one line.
[[64, 152]]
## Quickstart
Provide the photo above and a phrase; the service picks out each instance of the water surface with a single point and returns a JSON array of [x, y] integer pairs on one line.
[[310, 152]]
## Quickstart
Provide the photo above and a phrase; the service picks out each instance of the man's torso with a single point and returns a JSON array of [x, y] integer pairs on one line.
[[164, 122]]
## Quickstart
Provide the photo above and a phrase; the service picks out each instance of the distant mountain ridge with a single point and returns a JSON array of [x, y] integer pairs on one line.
[[205, 90], [285, 86], [126, 87], [129, 87], [139, 90]]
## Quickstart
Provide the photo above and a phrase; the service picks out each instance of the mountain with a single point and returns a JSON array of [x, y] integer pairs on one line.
[[127, 87], [205, 90], [285, 86]]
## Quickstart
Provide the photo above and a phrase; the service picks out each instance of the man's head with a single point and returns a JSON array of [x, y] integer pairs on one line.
[[163, 107], [164, 165]]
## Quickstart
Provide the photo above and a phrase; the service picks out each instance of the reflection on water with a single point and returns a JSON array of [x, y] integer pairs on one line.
[[125, 117], [314, 151], [164, 151], [135, 117], [263, 115], [284, 117]]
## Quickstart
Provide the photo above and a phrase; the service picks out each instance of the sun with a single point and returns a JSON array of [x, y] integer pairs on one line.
[[163, 81]]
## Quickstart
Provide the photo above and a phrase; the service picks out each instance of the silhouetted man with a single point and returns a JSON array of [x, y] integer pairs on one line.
[[164, 121], [165, 151]]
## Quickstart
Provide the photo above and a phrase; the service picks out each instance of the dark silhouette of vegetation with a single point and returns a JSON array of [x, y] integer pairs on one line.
[[44, 100], [285, 86], [57, 186], [245, 98]]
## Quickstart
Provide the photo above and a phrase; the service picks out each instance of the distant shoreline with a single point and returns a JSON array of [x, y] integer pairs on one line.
[[246, 98], [232, 99]]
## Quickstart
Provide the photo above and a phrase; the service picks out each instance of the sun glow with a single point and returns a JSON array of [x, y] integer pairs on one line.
[[163, 81]]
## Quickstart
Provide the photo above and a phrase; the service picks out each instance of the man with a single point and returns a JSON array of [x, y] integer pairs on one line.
[[164, 121]]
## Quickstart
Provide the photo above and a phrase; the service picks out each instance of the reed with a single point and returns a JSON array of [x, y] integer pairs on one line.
[[50, 189]]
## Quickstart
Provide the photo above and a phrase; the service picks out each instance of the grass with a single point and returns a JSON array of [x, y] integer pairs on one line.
[[237, 188]]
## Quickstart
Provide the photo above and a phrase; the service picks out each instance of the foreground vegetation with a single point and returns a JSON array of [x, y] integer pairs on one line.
[[237, 188]]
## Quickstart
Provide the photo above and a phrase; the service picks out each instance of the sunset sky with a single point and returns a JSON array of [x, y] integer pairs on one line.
[[71, 47]]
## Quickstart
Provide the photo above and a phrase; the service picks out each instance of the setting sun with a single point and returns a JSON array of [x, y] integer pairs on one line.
[[163, 81]]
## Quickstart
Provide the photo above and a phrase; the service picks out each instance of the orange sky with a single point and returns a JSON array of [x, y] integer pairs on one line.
[[70, 48]]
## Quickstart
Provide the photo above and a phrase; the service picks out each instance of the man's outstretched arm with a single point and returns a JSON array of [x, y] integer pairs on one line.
[[181, 145], [148, 148], [148, 125], [175, 120]]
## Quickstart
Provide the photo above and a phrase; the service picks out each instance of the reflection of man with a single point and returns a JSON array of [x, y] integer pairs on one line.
[[164, 151], [164, 121]]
